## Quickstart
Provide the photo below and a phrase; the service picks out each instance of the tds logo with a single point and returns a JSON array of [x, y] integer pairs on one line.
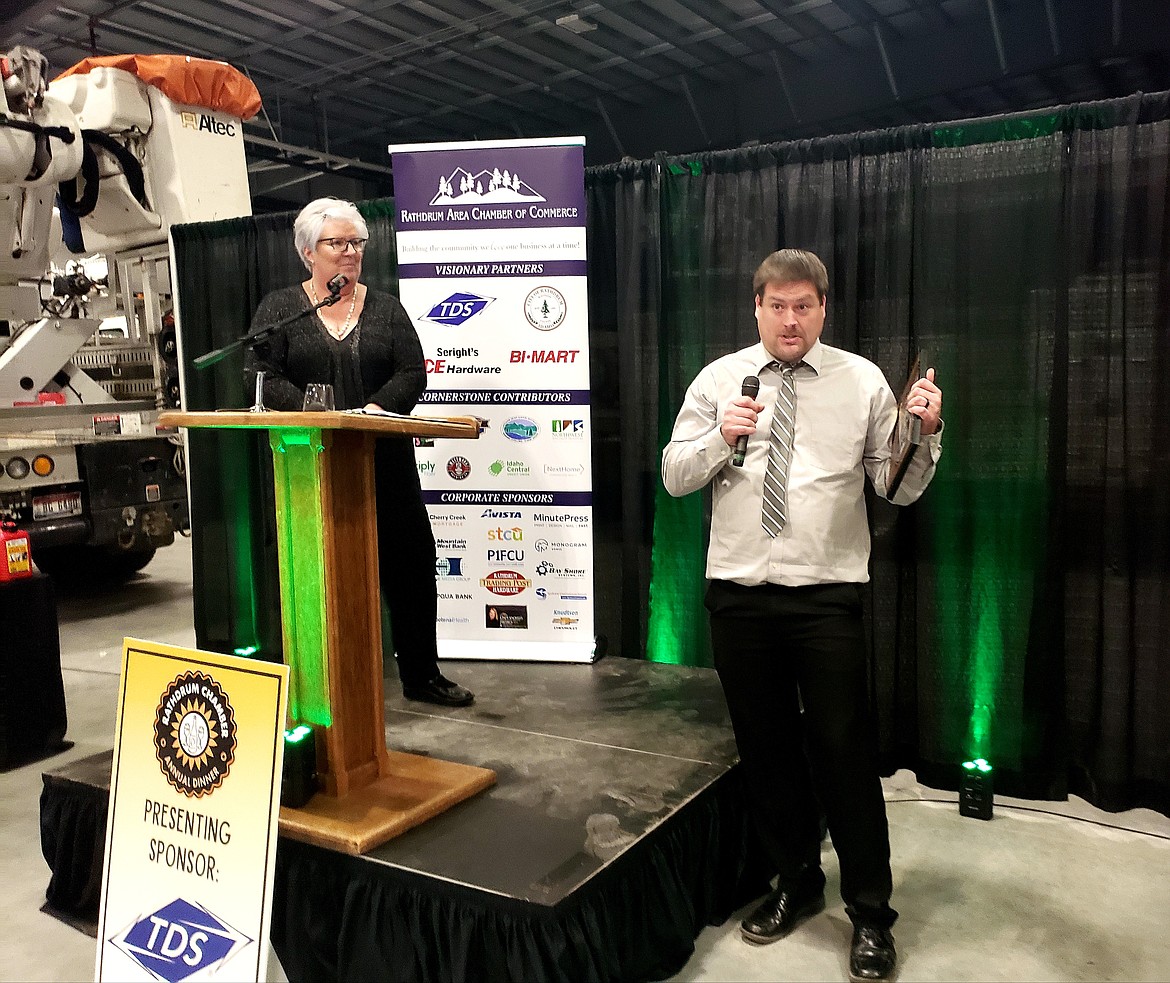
[[457, 309], [179, 940], [209, 124]]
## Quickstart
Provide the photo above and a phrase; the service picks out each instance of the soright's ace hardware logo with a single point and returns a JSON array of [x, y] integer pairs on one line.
[[179, 940], [195, 734]]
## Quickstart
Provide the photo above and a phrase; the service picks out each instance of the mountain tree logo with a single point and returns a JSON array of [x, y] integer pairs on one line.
[[545, 308], [461, 187]]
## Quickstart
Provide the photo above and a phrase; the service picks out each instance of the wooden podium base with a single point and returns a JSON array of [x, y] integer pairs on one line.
[[416, 789]]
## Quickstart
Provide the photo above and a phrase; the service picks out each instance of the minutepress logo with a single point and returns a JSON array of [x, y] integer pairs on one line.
[[179, 940], [457, 309], [194, 734]]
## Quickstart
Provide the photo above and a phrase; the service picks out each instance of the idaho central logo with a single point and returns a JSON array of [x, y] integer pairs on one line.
[[195, 734]]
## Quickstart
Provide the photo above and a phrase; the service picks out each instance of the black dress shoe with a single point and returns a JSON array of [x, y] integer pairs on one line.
[[779, 914], [439, 690], [872, 956]]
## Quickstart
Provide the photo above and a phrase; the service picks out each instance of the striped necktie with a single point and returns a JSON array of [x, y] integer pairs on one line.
[[775, 509]]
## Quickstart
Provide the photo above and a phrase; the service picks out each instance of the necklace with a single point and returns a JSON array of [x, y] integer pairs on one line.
[[337, 333]]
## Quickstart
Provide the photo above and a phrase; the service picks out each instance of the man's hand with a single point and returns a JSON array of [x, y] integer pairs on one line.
[[925, 402], [740, 418]]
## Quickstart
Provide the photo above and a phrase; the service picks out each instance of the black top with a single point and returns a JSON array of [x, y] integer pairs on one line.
[[379, 361]]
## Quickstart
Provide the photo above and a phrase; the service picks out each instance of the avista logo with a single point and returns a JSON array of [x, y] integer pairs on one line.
[[208, 124]]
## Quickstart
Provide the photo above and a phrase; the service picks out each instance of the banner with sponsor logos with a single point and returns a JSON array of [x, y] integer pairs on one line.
[[194, 803], [492, 270]]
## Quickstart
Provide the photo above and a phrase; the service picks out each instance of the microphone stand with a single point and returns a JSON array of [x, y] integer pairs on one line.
[[254, 338]]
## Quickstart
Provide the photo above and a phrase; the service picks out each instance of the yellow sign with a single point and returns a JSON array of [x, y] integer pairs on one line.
[[194, 803]]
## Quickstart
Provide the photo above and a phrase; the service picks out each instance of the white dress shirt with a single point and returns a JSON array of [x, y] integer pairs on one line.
[[845, 413]]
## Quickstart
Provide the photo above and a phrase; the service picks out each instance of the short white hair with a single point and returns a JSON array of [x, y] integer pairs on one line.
[[307, 227]]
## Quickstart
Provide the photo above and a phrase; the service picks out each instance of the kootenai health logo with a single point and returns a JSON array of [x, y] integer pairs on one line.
[[195, 734]]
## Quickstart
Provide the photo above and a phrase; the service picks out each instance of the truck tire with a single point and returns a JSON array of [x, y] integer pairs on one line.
[[83, 567]]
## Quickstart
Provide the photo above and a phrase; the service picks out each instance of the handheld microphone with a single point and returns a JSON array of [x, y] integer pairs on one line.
[[336, 284], [751, 388]]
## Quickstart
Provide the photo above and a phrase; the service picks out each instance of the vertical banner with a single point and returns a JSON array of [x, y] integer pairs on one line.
[[191, 830], [492, 270]]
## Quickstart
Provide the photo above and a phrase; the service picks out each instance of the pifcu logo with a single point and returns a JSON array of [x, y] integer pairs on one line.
[[457, 309], [179, 940]]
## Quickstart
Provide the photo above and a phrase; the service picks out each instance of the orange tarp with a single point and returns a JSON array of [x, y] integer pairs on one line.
[[185, 80]]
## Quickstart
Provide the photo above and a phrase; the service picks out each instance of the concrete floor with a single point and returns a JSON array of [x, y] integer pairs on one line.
[[1045, 891]]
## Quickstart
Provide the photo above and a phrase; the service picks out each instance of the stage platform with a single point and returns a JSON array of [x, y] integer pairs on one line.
[[614, 833]]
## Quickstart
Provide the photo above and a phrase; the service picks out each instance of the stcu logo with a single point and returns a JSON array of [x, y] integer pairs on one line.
[[194, 734], [458, 468]]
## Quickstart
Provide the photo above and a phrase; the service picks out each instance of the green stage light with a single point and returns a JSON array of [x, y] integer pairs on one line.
[[975, 789], [246, 651], [299, 779]]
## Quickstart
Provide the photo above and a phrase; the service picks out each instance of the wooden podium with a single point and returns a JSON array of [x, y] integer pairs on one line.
[[332, 626]]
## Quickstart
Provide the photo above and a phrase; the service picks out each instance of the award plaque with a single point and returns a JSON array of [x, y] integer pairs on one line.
[[906, 436]]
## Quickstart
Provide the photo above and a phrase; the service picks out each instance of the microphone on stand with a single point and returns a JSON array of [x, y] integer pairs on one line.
[[751, 388], [335, 286]]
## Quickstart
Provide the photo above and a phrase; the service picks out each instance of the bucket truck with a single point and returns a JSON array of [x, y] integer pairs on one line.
[[126, 147]]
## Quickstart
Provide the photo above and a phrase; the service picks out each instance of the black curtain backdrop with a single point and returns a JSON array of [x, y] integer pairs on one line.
[[1016, 613]]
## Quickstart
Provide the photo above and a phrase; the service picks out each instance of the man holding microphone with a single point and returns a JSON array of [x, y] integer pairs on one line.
[[789, 550]]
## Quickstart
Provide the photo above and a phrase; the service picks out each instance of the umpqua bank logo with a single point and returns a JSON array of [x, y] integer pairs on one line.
[[179, 940], [457, 309]]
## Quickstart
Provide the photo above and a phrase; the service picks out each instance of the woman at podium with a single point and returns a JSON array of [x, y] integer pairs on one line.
[[364, 346]]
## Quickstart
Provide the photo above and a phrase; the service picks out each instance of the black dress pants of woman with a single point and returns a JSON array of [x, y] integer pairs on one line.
[[792, 664], [406, 560]]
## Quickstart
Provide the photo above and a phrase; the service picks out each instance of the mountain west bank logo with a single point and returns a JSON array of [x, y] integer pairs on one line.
[[208, 124], [457, 309], [194, 734], [180, 940], [545, 308], [520, 428]]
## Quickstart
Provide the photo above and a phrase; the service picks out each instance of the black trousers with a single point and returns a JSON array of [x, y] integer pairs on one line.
[[778, 651], [406, 560]]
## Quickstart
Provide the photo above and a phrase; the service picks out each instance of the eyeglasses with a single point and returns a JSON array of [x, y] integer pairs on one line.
[[340, 245]]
